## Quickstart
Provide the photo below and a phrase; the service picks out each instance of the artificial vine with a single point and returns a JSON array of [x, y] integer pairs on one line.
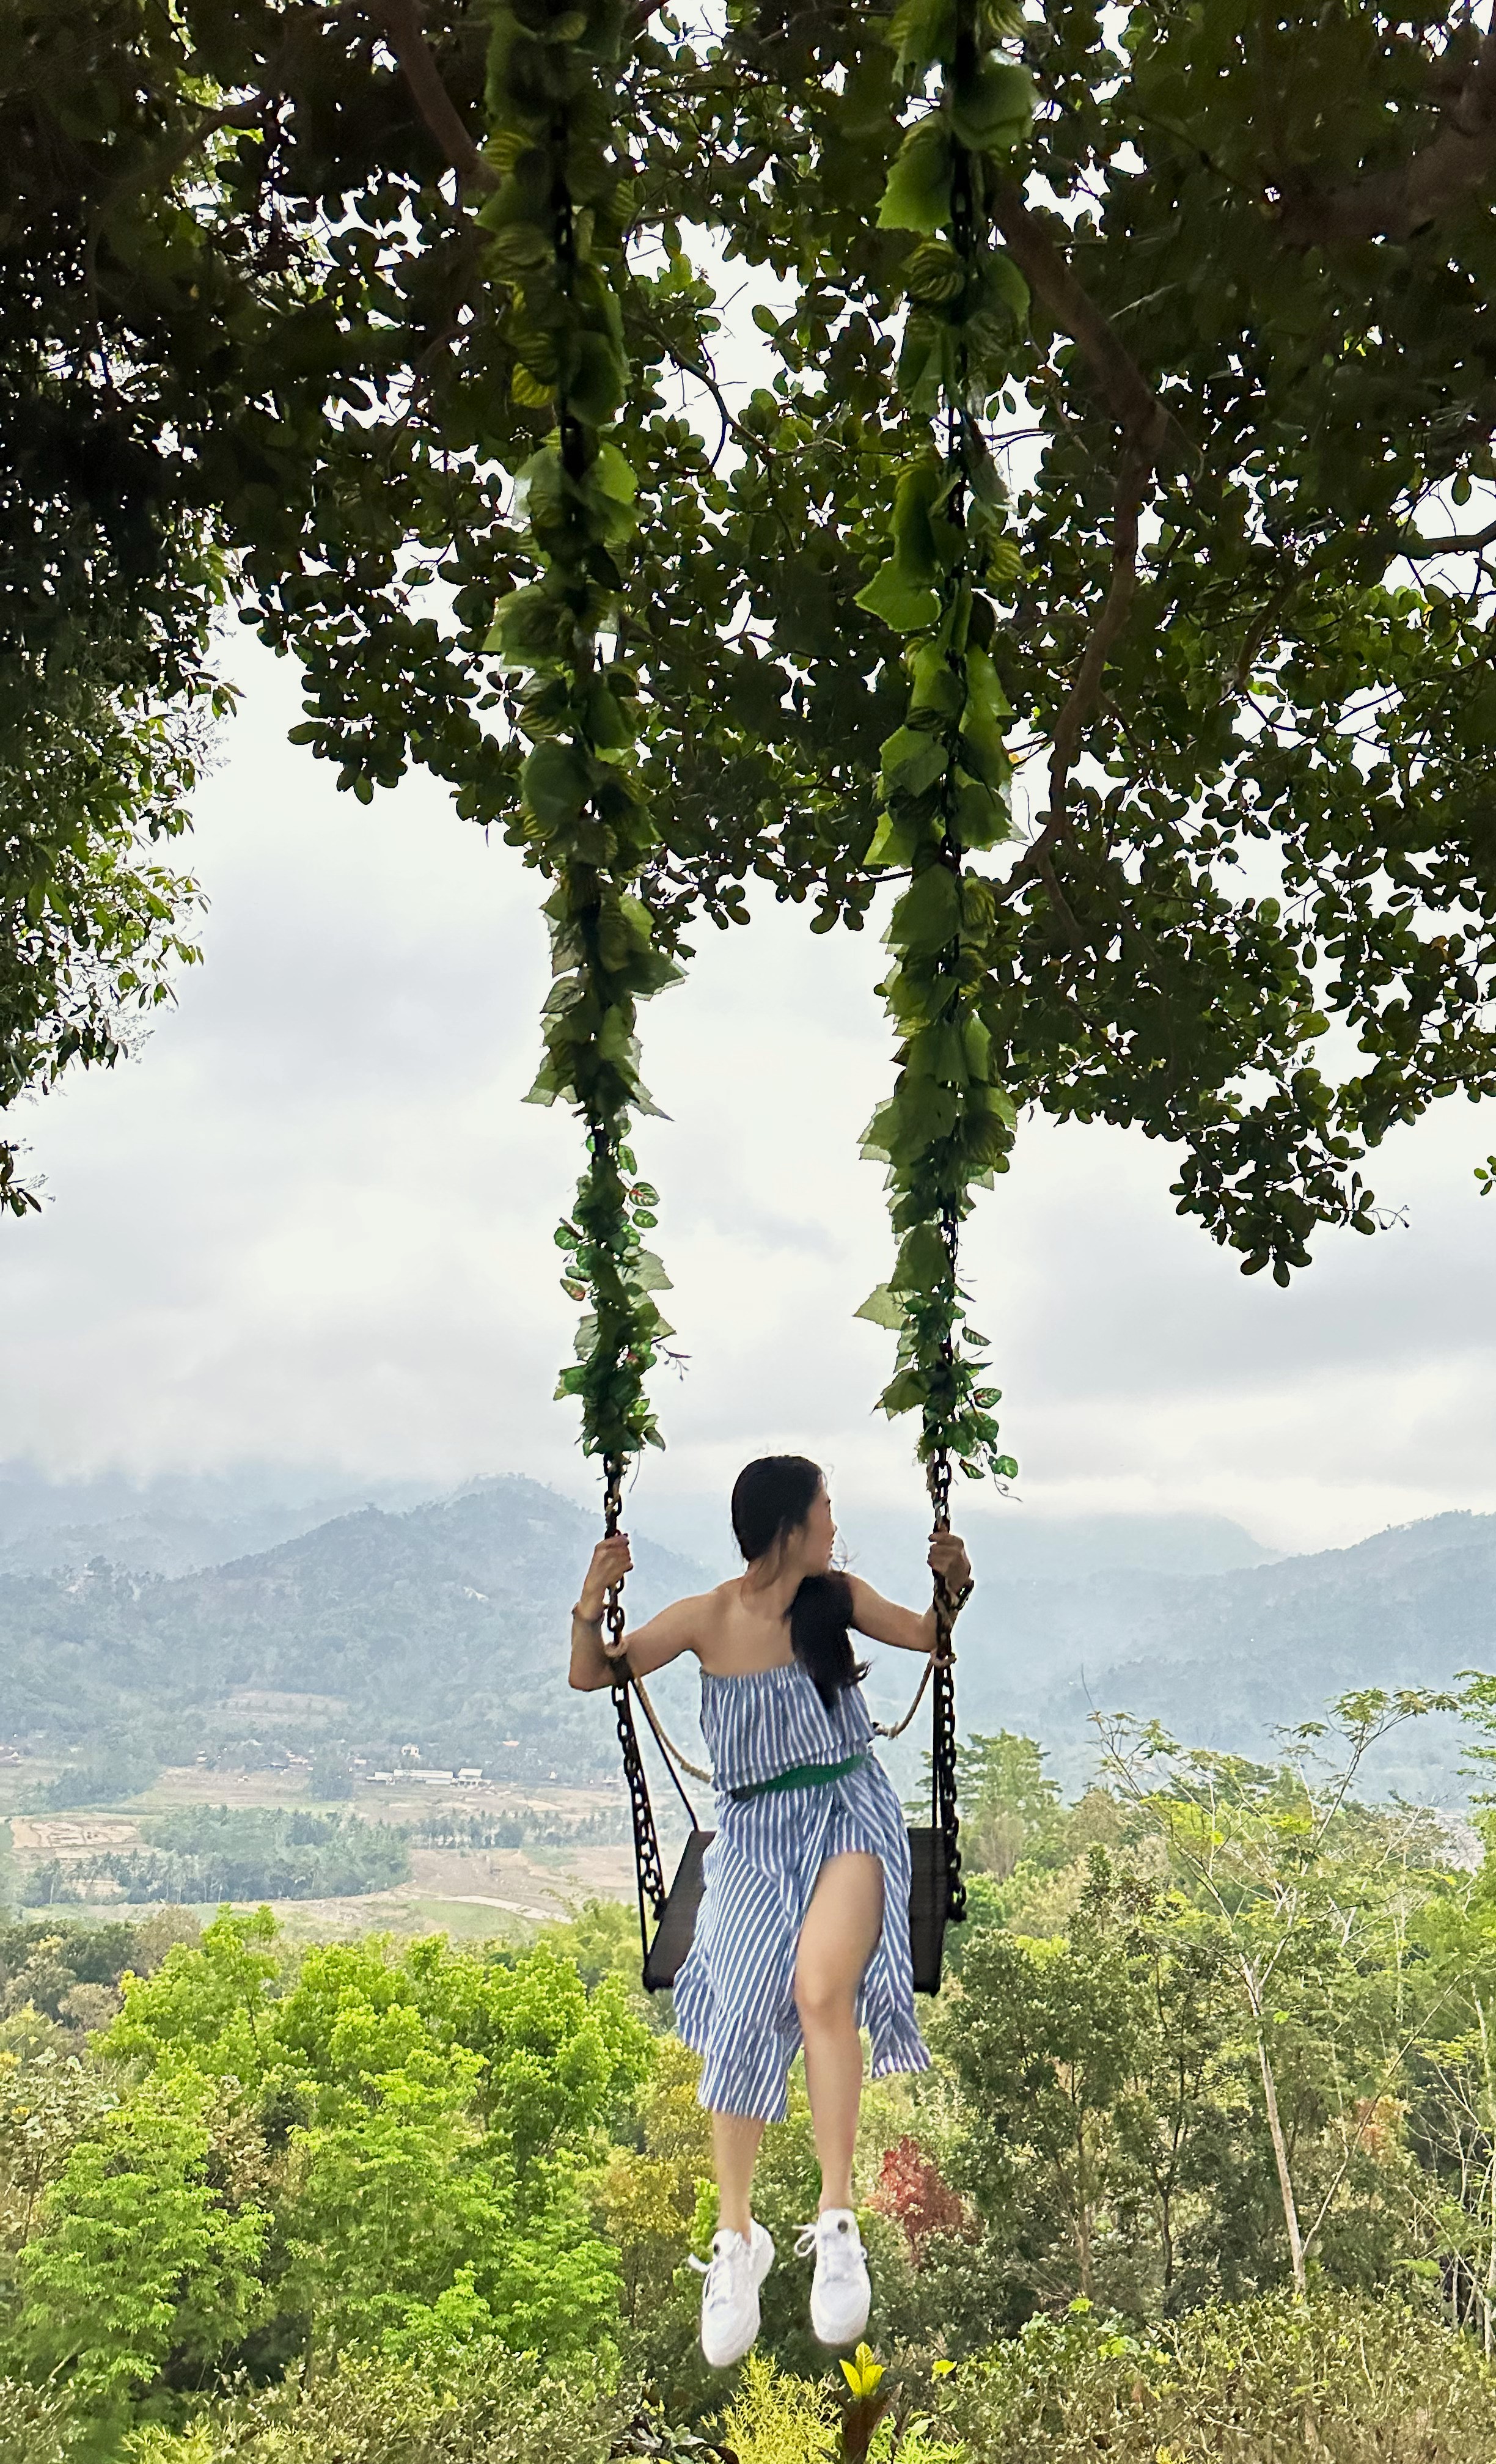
[[556, 219], [945, 773]]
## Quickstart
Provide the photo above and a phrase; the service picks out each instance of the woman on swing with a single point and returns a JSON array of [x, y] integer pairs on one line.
[[802, 1936]]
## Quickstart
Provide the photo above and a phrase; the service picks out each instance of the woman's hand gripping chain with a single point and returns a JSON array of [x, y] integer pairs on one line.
[[611, 1560], [951, 1570]]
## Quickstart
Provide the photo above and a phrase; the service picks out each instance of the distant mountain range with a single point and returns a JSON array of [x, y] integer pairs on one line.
[[1011, 1543], [1224, 1660], [444, 1624], [176, 1523], [180, 1522]]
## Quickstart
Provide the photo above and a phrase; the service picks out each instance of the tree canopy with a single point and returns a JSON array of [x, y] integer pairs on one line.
[[1124, 384]]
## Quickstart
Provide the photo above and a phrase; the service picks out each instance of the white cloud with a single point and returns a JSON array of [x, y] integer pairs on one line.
[[314, 1222]]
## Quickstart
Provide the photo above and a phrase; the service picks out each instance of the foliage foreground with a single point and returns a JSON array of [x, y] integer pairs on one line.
[[1203, 2165], [1338, 2377]]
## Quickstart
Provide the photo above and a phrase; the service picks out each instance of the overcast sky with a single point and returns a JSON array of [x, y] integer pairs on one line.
[[312, 1222]]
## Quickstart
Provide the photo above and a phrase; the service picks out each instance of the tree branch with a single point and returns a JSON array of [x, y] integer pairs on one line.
[[1363, 2126], [401, 20], [1124, 388], [160, 169], [1395, 203], [1455, 544], [1133, 483], [700, 369], [1150, 434], [1137, 469], [250, 113]]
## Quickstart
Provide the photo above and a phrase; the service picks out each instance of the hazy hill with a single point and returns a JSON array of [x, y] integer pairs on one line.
[[177, 1521], [444, 1626], [1225, 1659]]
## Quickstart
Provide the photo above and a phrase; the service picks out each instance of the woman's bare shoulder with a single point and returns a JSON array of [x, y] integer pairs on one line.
[[701, 1613], [691, 1624], [714, 1607]]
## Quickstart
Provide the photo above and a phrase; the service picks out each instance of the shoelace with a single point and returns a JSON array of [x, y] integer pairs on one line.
[[717, 2265], [838, 2246]]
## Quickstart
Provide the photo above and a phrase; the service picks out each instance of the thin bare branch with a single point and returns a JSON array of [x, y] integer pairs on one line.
[[1151, 436], [1133, 483], [700, 368], [1389, 2070]]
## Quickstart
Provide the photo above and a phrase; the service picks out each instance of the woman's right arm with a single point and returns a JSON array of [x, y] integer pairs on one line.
[[648, 1647]]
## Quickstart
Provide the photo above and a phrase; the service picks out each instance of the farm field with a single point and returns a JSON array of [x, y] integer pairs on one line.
[[468, 1891]]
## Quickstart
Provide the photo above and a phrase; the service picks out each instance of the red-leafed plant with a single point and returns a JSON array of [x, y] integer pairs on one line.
[[911, 2190]]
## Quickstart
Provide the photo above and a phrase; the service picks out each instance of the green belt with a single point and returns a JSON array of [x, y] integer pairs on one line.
[[799, 1775]]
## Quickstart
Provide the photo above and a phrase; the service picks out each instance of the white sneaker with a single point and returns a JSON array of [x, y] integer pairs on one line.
[[730, 2295], [841, 2293]]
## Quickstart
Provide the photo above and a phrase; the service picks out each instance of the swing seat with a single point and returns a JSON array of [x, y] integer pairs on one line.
[[666, 1955], [928, 1902]]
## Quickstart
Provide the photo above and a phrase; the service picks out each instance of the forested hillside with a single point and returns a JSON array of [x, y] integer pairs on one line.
[[446, 1626], [173, 1523], [1229, 1657]]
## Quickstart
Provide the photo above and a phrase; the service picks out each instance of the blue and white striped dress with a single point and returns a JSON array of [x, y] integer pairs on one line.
[[735, 1996]]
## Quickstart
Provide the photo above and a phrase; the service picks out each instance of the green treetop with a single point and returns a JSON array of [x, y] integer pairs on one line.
[[1166, 385]]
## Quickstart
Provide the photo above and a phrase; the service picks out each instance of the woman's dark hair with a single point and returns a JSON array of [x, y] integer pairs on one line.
[[771, 1500]]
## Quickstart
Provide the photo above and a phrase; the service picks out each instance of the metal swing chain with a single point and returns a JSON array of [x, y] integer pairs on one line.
[[944, 1813], [647, 1845]]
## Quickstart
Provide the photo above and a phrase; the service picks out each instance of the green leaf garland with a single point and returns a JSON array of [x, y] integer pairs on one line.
[[944, 779], [556, 224]]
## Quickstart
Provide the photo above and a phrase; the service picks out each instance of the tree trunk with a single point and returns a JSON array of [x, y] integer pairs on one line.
[[1488, 2290], [1280, 2149], [1489, 2287], [1082, 2248]]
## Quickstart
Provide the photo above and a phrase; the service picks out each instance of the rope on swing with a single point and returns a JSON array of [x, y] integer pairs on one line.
[[667, 1744], [880, 1728]]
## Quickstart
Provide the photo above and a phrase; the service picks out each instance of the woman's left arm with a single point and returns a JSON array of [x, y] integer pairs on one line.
[[883, 1620]]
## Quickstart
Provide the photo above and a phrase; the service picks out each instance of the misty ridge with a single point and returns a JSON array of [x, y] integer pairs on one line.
[[248, 1617]]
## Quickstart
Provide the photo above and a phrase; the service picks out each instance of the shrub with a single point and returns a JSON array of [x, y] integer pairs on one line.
[[35, 2428], [912, 2191], [777, 2419], [140, 2256], [1340, 2378], [497, 2408]]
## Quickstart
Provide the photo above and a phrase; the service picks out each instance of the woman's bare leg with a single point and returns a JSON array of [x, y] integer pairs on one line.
[[838, 1938], [734, 2146]]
